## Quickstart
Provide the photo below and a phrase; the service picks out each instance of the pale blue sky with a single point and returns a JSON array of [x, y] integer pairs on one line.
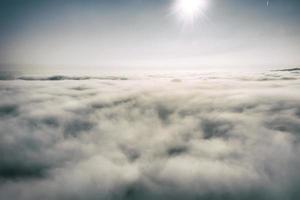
[[146, 34]]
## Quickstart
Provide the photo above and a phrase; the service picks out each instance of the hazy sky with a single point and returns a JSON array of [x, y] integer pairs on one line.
[[151, 34]]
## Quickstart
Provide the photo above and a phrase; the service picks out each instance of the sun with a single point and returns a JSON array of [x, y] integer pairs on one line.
[[189, 10]]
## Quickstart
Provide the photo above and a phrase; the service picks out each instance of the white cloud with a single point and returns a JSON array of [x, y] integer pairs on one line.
[[205, 136]]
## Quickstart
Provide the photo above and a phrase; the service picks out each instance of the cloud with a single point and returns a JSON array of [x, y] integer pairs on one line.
[[203, 137], [8, 76], [8, 110], [61, 78]]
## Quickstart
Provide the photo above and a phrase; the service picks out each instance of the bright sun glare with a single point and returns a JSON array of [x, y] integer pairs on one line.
[[189, 10]]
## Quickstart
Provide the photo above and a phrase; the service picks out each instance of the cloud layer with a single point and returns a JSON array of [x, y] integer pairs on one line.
[[188, 136]]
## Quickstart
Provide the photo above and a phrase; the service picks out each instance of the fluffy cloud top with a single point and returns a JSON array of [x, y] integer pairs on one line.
[[188, 136]]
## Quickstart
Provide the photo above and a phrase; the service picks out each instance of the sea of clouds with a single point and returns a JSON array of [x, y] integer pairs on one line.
[[187, 136]]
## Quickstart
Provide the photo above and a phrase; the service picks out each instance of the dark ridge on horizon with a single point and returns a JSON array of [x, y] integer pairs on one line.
[[75, 78], [287, 69], [9, 76]]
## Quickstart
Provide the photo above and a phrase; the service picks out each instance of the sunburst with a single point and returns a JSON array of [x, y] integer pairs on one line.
[[189, 10]]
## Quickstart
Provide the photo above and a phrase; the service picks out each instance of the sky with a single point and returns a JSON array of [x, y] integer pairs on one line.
[[149, 34]]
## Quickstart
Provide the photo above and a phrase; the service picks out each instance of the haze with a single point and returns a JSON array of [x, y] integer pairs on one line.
[[143, 34]]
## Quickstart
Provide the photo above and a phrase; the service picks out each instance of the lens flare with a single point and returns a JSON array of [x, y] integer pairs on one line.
[[189, 10]]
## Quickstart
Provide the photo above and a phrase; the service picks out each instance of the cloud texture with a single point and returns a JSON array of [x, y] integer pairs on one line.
[[191, 136]]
